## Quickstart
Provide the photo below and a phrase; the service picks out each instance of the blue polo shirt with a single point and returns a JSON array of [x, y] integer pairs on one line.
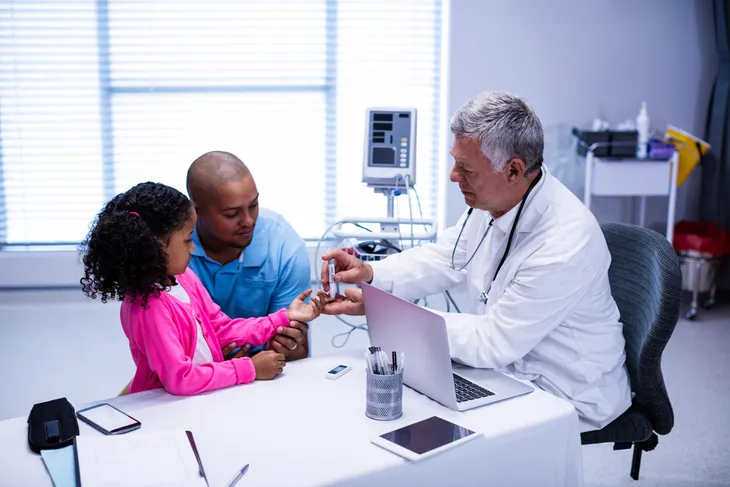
[[274, 271]]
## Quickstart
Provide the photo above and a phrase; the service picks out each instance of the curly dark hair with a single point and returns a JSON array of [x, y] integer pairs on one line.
[[122, 254]]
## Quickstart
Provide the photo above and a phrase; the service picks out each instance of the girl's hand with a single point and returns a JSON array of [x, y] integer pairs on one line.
[[268, 364], [304, 312]]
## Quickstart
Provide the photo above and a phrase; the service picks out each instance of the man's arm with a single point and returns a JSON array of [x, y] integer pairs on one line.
[[535, 302]]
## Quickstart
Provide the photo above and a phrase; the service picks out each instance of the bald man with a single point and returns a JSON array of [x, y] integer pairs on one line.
[[251, 261]]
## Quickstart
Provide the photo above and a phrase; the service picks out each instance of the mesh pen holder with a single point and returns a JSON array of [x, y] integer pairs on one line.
[[384, 396]]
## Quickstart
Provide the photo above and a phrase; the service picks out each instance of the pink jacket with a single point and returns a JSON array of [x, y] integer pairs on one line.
[[162, 339]]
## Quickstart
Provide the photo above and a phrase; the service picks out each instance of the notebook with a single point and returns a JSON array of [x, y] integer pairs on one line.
[[139, 459]]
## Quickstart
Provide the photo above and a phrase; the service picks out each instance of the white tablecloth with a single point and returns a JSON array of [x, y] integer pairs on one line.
[[305, 430]]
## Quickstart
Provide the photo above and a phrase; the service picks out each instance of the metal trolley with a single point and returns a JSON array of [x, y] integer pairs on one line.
[[699, 272]]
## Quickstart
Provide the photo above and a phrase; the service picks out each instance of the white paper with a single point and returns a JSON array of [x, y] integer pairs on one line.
[[138, 459]]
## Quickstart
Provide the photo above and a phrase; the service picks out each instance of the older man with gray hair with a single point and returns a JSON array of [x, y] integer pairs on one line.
[[534, 261]]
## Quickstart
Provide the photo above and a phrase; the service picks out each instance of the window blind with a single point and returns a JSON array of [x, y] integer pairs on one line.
[[98, 95]]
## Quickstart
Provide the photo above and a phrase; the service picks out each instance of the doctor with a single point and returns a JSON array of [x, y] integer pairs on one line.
[[534, 261]]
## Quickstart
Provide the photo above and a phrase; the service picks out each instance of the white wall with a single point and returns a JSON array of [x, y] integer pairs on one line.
[[572, 59], [575, 60]]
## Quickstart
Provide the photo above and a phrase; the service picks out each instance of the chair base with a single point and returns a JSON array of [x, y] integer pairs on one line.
[[648, 445], [636, 462]]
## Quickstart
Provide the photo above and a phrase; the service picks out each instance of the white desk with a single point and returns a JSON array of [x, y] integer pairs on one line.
[[529, 440]]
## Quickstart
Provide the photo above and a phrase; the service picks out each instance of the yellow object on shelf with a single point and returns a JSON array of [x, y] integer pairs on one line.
[[690, 149]]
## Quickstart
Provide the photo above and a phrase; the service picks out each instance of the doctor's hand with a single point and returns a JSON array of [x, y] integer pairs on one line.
[[348, 269], [349, 304]]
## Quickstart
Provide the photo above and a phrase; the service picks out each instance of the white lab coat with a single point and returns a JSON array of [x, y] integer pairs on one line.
[[549, 317]]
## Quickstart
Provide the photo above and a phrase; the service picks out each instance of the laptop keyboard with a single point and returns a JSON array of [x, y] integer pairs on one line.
[[468, 391]]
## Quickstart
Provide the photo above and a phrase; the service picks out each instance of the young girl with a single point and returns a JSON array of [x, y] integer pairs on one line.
[[138, 251]]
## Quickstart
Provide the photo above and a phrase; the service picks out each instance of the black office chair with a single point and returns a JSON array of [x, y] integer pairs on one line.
[[646, 282]]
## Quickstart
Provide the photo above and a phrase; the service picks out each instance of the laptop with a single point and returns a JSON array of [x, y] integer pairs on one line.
[[397, 324]]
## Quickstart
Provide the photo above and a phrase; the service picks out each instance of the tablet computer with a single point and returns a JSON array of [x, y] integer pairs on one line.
[[425, 438]]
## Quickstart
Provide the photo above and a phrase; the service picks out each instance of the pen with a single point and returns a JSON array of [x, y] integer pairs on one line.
[[378, 366], [371, 360], [379, 361], [381, 371], [385, 367], [368, 367], [238, 476], [394, 365], [191, 439]]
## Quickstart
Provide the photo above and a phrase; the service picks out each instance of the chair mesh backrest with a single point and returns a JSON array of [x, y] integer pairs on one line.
[[646, 283]]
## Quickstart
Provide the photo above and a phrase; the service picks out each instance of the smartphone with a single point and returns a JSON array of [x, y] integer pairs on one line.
[[338, 372], [108, 419]]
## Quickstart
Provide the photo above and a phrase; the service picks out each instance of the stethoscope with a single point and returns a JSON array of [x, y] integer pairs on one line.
[[483, 296]]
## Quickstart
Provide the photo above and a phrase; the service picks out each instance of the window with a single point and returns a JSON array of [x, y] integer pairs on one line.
[[96, 96]]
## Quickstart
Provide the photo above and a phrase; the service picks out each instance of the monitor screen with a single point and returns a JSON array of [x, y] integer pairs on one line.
[[383, 156]]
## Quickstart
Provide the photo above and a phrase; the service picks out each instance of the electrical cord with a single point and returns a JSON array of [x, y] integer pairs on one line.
[[346, 334], [456, 307], [447, 295], [397, 219], [363, 227], [382, 243], [410, 208], [425, 302], [420, 210]]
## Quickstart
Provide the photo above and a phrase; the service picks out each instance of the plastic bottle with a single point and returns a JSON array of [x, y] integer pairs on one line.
[[642, 126]]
